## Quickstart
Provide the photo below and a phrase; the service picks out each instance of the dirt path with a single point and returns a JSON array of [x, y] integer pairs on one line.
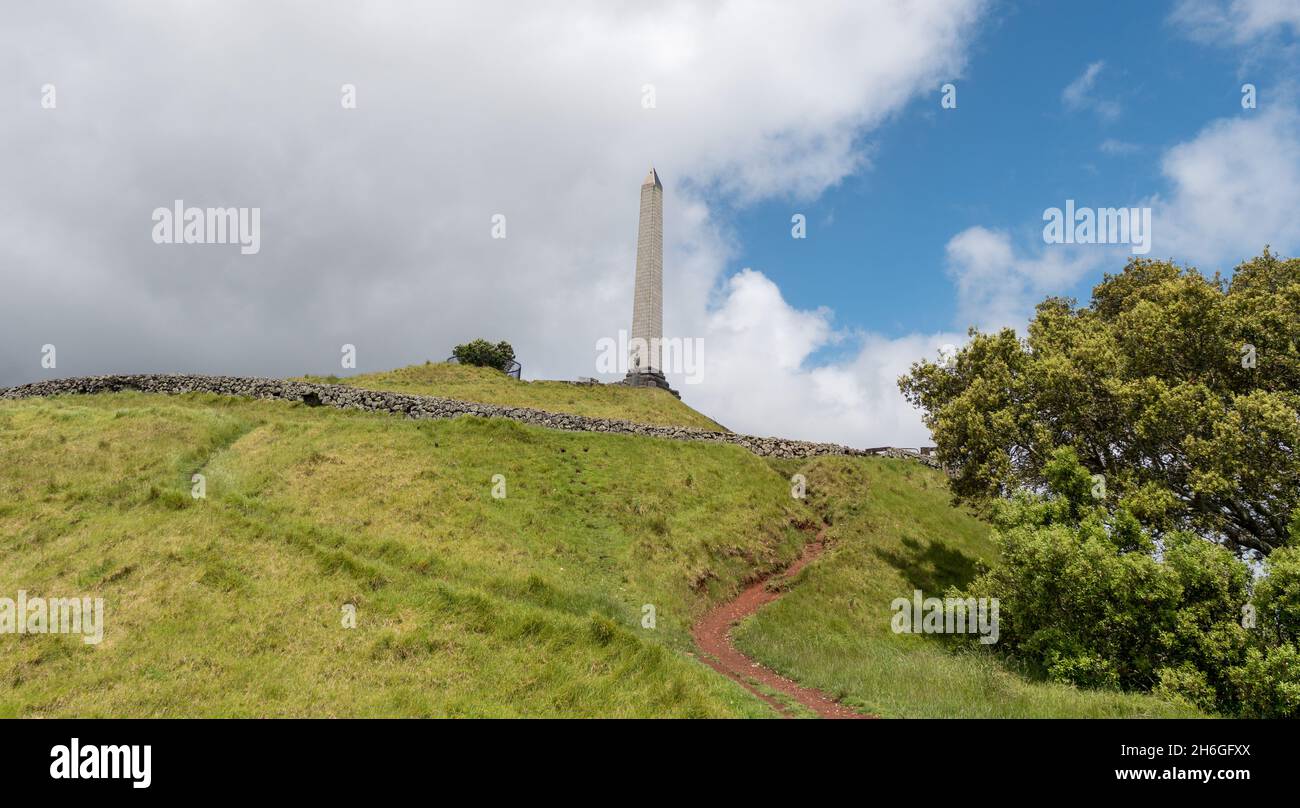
[[713, 638]]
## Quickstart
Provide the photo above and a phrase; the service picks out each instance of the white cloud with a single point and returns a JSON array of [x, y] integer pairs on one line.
[[1114, 147], [1234, 188], [758, 371], [1236, 22], [375, 221], [998, 286], [1076, 92], [1079, 94]]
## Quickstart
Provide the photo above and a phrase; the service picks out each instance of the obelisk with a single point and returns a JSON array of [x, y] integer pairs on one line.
[[648, 299]]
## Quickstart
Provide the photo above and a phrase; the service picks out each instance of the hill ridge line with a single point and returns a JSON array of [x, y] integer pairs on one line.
[[418, 406]]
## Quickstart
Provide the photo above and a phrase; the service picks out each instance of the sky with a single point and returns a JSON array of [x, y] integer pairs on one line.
[[384, 145]]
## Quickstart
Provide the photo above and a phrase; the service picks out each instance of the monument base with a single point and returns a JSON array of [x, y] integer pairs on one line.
[[648, 378]]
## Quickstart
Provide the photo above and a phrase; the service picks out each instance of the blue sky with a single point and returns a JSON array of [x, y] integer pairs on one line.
[[875, 251], [376, 217]]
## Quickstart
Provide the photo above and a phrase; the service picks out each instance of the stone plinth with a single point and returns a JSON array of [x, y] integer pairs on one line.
[[649, 378]]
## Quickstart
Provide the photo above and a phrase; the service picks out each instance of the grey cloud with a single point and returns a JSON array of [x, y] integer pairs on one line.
[[376, 221]]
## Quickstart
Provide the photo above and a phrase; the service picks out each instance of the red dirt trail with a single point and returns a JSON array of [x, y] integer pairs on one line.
[[713, 638]]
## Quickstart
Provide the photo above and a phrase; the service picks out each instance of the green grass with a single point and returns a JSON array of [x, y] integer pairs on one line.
[[466, 605], [487, 386], [893, 531]]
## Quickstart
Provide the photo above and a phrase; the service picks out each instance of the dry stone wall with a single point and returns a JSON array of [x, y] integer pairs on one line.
[[416, 406]]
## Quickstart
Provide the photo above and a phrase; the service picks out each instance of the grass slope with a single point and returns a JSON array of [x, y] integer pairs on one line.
[[466, 605], [893, 531], [487, 386]]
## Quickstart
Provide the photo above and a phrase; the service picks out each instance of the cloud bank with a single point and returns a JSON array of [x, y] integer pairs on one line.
[[376, 221]]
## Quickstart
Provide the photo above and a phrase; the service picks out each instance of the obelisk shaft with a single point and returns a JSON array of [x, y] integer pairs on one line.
[[648, 299]]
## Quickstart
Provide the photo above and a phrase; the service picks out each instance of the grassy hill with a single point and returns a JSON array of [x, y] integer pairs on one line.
[[466, 604], [891, 532], [487, 386]]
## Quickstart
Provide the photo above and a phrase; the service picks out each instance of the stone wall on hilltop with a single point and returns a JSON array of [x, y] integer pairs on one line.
[[417, 406]]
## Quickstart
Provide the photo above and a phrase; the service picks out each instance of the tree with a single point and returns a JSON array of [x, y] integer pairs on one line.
[[1085, 597], [482, 353], [1268, 682], [1182, 391]]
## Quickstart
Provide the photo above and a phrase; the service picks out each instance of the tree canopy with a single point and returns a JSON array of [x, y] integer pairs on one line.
[[1181, 391], [482, 353], [1086, 599]]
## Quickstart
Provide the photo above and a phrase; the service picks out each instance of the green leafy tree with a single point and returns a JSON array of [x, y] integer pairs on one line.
[[1088, 596], [1277, 598], [1181, 390], [1268, 685], [482, 353], [1268, 682]]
